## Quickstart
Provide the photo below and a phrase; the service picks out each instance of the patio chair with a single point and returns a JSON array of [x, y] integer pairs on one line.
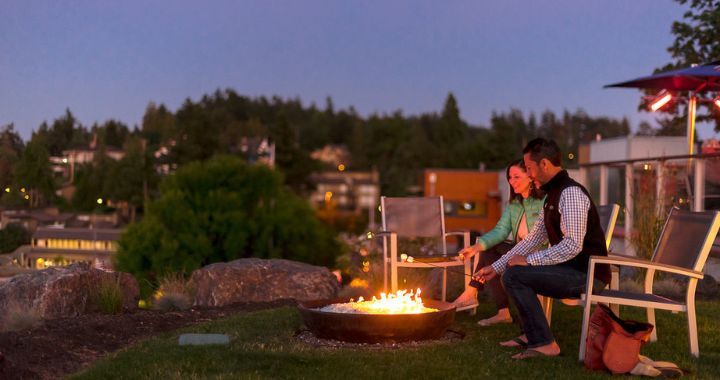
[[682, 249], [415, 226], [608, 216]]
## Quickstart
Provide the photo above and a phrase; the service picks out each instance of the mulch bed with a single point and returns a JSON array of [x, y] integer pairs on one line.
[[64, 346]]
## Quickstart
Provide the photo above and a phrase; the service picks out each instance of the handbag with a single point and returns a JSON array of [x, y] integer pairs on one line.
[[613, 343]]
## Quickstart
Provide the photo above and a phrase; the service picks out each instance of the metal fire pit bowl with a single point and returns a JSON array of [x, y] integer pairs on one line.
[[376, 328]]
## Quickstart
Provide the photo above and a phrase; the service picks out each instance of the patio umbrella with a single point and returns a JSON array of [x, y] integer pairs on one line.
[[695, 79]]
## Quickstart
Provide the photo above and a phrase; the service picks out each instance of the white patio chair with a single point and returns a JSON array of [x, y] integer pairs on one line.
[[415, 226], [682, 249]]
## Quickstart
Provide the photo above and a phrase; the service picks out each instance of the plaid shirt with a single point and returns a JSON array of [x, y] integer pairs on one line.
[[573, 206]]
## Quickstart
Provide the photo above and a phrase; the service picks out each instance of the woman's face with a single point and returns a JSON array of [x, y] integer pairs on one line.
[[519, 180]]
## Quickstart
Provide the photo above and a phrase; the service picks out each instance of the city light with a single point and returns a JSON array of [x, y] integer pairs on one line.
[[341, 167], [22, 189], [7, 189], [99, 201]]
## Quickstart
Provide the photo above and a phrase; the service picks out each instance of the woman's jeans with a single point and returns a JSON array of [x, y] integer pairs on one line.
[[524, 283]]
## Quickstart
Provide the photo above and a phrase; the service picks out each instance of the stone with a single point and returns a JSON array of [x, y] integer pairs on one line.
[[202, 339], [64, 291], [258, 280]]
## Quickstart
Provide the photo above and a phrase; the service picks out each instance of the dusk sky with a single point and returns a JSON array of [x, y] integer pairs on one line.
[[108, 59]]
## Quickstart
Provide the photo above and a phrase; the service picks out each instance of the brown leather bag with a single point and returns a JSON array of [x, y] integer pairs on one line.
[[598, 331], [613, 343]]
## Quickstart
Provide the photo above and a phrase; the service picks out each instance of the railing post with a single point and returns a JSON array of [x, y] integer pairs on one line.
[[603, 184], [629, 184], [699, 193], [660, 185]]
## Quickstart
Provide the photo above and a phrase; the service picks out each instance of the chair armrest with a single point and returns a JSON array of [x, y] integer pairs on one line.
[[640, 263], [457, 233]]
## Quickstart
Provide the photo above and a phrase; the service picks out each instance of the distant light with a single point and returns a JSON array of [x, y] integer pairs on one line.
[[380, 208], [467, 206], [7, 189], [26, 196], [716, 102], [22, 189], [660, 100], [64, 160], [341, 167], [647, 167], [99, 201], [570, 156]]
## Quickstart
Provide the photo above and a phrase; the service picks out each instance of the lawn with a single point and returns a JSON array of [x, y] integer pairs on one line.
[[262, 346]]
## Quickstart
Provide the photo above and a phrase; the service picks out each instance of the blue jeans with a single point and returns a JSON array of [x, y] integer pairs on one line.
[[524, 283]]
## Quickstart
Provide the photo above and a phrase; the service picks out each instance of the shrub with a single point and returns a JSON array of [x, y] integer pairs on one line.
[[19, 317], [221, 210], [108, 297], [174, 293]]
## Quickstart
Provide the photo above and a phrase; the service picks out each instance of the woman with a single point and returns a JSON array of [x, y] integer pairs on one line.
[[519, 216]]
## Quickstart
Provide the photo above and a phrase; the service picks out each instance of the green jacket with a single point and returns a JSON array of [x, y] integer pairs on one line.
[[510, 221]]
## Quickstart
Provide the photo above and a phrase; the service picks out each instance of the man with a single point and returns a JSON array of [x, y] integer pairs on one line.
[[570, 223]]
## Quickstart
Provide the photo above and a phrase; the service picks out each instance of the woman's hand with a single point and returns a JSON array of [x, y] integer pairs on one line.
[[469, 252]]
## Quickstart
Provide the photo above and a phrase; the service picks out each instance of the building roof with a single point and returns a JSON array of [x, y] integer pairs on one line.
[[100, 234]]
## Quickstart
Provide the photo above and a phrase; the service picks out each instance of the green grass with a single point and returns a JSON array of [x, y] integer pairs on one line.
[[262, 346]]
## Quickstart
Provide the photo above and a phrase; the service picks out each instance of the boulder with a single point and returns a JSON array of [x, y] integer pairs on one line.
[[64, 291], [258, 280]]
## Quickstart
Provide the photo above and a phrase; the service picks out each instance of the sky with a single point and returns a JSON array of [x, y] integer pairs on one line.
[[108, 59]]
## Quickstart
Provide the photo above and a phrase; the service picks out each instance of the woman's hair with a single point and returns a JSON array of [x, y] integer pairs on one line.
[[534, 192]]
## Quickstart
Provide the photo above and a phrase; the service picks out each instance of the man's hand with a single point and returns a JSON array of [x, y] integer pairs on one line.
[[485, 274], [469, 252], [517, 260]]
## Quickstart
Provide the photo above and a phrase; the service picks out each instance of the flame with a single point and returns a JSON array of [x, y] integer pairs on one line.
[[401, 302]]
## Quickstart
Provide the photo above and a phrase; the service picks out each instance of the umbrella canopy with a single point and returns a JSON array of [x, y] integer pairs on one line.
[[698, 79]]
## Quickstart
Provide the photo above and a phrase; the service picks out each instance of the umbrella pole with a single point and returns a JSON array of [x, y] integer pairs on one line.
[[692, 109]]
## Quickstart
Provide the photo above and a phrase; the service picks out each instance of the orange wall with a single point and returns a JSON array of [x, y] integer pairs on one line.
[[466, 185]]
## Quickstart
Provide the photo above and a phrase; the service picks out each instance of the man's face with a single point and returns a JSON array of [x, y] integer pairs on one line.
[[534, 170]]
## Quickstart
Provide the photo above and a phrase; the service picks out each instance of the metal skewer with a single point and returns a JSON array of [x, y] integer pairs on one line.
[[410, 259]]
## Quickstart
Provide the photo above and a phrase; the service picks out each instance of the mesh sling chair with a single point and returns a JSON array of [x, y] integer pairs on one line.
[[415, 226], [682, 249], [608, 216]]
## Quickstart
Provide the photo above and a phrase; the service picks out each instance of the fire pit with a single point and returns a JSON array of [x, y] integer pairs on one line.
[[375, 327]]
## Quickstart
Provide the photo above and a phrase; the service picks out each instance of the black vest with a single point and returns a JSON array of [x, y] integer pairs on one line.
[[594, 242]]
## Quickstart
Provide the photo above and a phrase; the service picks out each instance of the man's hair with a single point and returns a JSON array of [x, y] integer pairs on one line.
[[540, 148]]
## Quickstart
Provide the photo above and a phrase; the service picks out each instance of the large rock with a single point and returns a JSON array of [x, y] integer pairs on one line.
[[64, 291], [257, 280]]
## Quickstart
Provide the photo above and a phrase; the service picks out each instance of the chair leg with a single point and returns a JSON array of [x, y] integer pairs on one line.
[[651, 320], [444, 285], [692, 331], [584, 329], [615, 285], [547, 304]]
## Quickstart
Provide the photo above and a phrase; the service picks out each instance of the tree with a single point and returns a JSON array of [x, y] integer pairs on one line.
[[12, 237], [133, 177], [33, 173], [221, 210], [697, 41], [11, 148]]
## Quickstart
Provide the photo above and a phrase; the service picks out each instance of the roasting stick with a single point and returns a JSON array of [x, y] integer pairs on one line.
[[410, 259]]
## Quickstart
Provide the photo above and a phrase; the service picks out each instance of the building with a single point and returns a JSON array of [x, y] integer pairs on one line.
[[352, 191], [33, 219], [64, 246], [472, 198]]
